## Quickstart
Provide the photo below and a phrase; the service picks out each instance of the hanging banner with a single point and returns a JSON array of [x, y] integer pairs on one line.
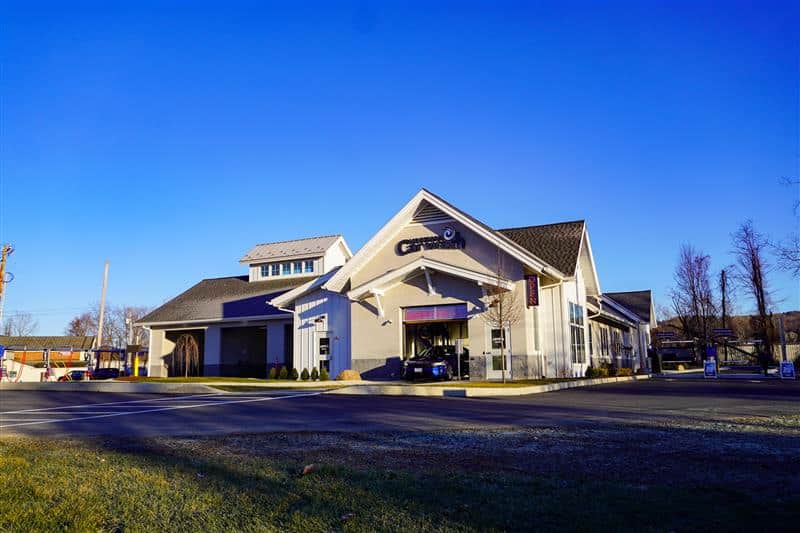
[[532, 290]]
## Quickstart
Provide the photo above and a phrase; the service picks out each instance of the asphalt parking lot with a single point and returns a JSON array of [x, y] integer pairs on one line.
[[138, 415]]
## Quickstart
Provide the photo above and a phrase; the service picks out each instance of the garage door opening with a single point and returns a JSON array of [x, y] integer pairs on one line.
[[434, 325], [244, 352]]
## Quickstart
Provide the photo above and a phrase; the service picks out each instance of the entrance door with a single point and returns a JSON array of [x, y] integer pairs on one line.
[[494, 363]]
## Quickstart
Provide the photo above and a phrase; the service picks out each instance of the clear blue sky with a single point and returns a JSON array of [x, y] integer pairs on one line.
[[169, 141]]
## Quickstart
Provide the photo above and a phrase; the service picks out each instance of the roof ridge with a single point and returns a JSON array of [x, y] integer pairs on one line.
[[628, 292], [579, 220], [301, 239]]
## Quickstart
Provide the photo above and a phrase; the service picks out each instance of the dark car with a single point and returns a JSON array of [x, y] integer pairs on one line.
[[105, 373], [76, 375], [437, 362]]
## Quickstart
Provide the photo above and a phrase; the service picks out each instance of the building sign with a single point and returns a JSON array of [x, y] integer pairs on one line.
[[665, 335], [430, 313], [532, 290], [449, 239], [722, 332]]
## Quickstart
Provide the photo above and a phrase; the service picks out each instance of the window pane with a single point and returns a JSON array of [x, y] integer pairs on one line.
[[276, 269], [309, 266], [286, 269], [298, 267], [264, 271]]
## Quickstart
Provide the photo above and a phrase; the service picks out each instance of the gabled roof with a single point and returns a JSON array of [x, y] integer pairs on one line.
[[406, 216], [639, 302], [50, 343], [221, 299], [287, 298], [296, 249], [559, 244]]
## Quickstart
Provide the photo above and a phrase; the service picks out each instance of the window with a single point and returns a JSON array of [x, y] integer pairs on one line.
[[286, 269], [308, 266], [591, 342], [577, 334], [498, 339], [264, 271], [298, 267], [276, 269]]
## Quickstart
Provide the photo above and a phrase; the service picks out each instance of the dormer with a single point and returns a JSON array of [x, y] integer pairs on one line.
[[301, 258]]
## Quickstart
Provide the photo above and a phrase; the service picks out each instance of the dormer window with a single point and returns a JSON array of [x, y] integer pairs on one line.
[[308, 266], [276, 269], [286, 269], [298, 267], [264, 271]]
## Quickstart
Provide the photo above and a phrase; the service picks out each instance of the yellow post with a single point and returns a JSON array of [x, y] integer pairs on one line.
[[136, 366]]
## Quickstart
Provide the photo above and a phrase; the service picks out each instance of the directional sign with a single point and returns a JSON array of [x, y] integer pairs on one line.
[[787, 370], [665, 334], [710, 369], [722, 332]]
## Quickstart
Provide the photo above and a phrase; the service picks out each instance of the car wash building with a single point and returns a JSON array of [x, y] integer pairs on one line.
[[522, 301]]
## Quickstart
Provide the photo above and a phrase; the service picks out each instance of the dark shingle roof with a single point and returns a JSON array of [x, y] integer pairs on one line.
[[218, 298], [557, 244], [637, 301], [39, 343]]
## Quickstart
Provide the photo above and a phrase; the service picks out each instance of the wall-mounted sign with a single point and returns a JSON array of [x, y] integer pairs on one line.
[[532, 290], [449, 239]]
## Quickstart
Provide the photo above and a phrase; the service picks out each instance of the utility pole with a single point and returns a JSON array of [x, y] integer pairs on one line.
[[5, 251], [102, 307], [724, 283]]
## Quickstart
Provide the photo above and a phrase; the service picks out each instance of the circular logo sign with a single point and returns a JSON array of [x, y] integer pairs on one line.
[[448, 233]]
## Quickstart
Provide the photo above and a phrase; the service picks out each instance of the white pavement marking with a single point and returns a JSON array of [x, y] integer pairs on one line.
[[160, 399], [249, 400]]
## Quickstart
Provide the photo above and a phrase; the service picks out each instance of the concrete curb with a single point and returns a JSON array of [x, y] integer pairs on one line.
[[476, 392]]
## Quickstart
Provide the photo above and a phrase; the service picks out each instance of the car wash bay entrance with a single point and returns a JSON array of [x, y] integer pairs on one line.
[[433, 325]]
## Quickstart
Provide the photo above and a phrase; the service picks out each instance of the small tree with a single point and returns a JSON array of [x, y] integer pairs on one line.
[[503, 309], [304, 375], [284, 373], [19, 325], [323, 375], [295, 375], [186, 355], [273, 372], [314, 374]]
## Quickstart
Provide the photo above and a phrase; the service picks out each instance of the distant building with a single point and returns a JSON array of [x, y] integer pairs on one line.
[[26, 358]]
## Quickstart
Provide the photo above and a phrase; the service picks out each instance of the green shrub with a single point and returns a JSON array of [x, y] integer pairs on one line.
[[624, 372], [304, 375], [612, 370], [295, 374], [273, 372], [283, 374], [323, 375], [315, 374]]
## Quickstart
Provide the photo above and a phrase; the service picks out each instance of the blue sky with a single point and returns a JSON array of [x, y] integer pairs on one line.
[[169, 141]]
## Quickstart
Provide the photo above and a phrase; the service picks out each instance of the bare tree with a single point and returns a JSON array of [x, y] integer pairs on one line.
[[503, 310], [750, 247], [186, 355], [20, 325], [116, 325], [693, 300]]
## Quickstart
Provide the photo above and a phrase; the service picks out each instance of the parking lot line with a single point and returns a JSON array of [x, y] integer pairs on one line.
[[160, 399], [156, 410]]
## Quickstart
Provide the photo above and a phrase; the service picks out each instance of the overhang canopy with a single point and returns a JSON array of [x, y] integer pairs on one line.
[[388, 280]]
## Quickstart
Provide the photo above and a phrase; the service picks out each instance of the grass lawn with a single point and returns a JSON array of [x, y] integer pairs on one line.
[[449, 481], [200, 379]]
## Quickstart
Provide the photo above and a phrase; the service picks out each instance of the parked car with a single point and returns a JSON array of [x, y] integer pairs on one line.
[[438, 362], [105, 373], [76, 375]]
